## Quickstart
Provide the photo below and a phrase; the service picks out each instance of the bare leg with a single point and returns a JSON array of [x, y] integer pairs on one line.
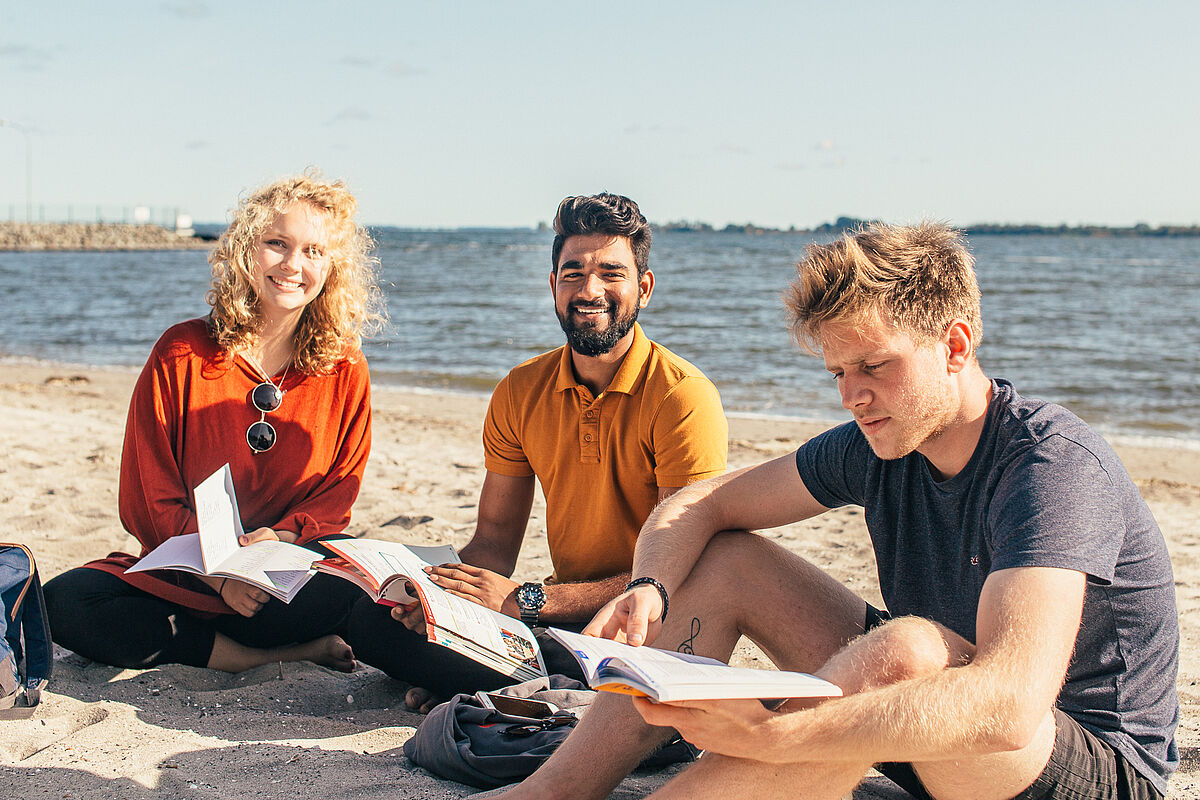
[[903, 649], [738, 576], [716, 777], [328, 651]]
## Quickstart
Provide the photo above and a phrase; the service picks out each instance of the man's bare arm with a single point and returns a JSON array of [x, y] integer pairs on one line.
[[504, 506], [565, 602], [1027, 622], [764, 496]]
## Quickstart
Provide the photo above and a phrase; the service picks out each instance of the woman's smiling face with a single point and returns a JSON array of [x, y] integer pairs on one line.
[[291, 262]]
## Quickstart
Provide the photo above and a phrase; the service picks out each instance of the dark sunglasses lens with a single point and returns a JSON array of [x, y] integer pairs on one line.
[[260, 436], [266, 397]]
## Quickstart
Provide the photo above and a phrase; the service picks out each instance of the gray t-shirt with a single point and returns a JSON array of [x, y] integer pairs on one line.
[[1041, 489]]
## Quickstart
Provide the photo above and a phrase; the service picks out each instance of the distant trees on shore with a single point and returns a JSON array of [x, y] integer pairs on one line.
[[982, 229]]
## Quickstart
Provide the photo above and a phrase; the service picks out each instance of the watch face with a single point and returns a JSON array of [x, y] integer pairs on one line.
[[530, 595]]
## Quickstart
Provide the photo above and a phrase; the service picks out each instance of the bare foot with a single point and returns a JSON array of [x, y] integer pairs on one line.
[[330, 651], [420, 700]]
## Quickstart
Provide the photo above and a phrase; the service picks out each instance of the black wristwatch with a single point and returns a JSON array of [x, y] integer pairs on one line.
[[530, 599]]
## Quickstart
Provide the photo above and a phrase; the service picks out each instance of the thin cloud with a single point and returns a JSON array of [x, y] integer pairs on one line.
[[196, 144], [24, 57], [192, 10], [398, 68], [657, 129], [402, 69], [825, 146], [736, 149], [351, 114], [792, 166]]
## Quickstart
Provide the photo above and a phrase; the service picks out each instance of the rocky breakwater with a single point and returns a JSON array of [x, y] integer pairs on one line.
[[93, 236]]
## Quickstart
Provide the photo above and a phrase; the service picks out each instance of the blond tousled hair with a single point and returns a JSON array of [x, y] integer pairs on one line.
[[350, 304], [917, 278]]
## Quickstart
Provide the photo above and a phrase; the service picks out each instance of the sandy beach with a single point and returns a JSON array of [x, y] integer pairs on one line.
[[103, 732]]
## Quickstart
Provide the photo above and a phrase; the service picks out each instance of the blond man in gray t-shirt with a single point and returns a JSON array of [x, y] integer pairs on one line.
[[1038, 654]]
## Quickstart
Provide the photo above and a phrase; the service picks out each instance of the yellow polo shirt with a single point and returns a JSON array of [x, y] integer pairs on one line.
[[600, 460]]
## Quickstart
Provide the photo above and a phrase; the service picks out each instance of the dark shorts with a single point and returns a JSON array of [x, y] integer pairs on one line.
[[1081, 767]]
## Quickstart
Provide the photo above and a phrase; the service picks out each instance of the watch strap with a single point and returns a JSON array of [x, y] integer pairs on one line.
[[662, 592]]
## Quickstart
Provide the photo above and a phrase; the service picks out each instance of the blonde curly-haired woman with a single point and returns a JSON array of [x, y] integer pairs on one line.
[[273, 383]]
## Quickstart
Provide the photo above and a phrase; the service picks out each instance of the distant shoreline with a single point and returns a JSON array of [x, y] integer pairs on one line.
[[979, 229], [32, 237], [93, 236]]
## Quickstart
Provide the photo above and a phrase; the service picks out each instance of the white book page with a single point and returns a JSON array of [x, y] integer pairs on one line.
[[687, 681], [381, 559], [178, 552], [270, 563], [216, 512], [589, 651], [491, 629]]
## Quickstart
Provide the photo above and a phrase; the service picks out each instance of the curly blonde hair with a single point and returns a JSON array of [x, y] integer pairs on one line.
[[919, 278], [350, 304]]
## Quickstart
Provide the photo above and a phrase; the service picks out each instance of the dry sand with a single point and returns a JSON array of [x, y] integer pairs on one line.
[[103, 732]]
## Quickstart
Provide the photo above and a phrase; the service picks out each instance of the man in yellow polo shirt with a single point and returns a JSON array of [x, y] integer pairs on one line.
[[609, 424]]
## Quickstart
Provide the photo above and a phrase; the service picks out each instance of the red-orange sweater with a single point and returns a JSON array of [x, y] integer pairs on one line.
[[188, 416]]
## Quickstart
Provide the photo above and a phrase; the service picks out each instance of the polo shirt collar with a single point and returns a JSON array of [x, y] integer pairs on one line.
[[625, 381]]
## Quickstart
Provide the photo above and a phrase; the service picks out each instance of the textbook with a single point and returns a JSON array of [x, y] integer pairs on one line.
[[383, 569], [278, 568], [665, 676]]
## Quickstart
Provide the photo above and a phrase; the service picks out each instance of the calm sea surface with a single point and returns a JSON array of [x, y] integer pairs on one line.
[[1110, 328]]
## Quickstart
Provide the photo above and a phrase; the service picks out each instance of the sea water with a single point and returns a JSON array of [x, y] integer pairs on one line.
[[1109, 327]]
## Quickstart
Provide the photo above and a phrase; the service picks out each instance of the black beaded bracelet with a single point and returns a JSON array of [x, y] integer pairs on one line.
[[662, 591]]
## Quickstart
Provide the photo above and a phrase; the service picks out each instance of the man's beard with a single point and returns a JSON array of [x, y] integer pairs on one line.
[[588, 340]]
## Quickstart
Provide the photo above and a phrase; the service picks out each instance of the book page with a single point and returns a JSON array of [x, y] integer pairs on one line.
[[216, 512], [688, 681], [508, 637], [281, 565], [179, 552], [589, 651], [381, 560], [667, 675]]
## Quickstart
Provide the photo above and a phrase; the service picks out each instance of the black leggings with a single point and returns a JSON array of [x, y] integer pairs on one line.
[[101, 617], [386, 644]]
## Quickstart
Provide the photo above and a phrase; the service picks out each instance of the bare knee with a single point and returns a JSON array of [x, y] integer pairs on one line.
[[900, 649], [735, 557]]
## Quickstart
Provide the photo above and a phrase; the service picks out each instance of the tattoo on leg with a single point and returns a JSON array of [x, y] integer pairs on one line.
[[686, 647]]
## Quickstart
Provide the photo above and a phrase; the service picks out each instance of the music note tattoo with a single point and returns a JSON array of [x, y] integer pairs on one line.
[[686, 647]]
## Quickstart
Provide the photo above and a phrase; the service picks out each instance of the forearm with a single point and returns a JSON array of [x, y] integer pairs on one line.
[[674, 536], [486, 553], [956, 712], [754, 498], [999, 701], [579, 602]]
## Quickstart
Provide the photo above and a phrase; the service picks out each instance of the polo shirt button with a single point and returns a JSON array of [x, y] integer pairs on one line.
[[590, 414], [587, 437]]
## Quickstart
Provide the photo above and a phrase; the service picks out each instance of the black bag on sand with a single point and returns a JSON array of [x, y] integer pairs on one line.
[[26, 653], [465, 742]]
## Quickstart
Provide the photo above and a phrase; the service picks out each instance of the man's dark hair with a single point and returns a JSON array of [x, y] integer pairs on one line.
[[607, 213]]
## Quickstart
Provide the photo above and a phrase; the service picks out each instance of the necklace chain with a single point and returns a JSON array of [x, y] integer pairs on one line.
[[263, 372]]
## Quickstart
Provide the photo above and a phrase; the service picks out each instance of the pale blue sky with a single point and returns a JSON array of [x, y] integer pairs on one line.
[[487, 113]]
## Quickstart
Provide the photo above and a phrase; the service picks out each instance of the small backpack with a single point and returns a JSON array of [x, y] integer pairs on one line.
[[26, 652], [465, 742]]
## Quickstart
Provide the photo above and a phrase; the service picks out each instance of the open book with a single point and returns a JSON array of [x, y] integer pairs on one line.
[[383, 568], [665, 675], [278, 568]]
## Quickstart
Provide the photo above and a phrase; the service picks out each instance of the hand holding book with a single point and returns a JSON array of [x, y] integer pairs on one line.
[[668, 676], [633, 617]]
